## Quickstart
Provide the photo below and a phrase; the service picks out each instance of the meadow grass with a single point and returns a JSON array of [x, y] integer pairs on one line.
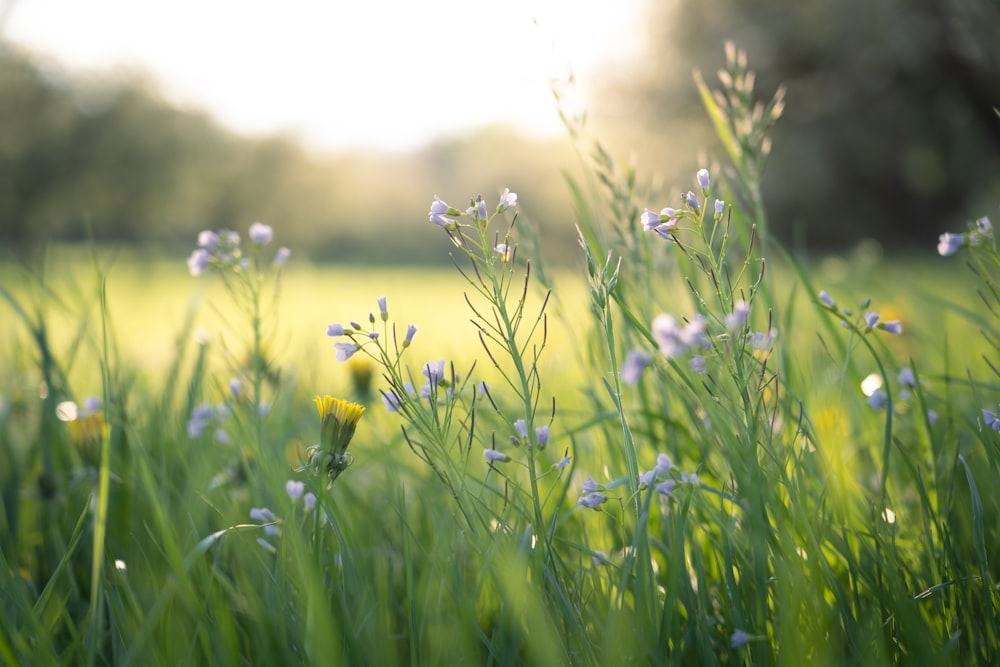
[[699, 449]]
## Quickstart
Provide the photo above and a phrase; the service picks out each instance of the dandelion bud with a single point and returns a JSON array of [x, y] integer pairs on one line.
[[338, 421]]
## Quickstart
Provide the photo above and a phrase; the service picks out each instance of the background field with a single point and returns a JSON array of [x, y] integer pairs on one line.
[[152, 298]]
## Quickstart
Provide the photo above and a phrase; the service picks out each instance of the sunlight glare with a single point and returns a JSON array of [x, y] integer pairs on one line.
[[871, 384], [343, 75]]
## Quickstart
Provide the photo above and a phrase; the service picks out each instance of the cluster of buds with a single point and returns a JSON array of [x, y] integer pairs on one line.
[[221, 249], [868, 321]]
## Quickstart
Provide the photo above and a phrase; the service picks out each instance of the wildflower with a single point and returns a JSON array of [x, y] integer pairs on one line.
[[86, 424], [662, 467], [703, 179], [635, 364], [650, 220], [411, 331], [736, 319], [338, 421], [932, 416], [383, 312], [542, 435], [201, 415], [309, 500], [948, 244], [235, 387], [984, 227], [693, 333], [521, 428], [477, 210], [592, 500], [91, 406], [221, 436], [346, 350], [198, 262], [697, 363], [877, 399], [600, 558], [692, 201], [689, 478], [281, 257], [263, 408], [666, 333], [739, 638], [871, 319], [507, 200], [267, 516], [261, 234], [991, 420], [666, 487], [825, 297], [663, 230], [720, 207], [335, 330], [391, 401], [562, 463], [893, 326], [590, 486], [434, 372], [439, 212], [494, 456], [208, 239], [906, 377], [261, 514], [760, 341], [294, 489]]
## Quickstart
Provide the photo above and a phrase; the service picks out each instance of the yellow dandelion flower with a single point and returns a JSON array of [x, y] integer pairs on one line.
[[338, 421]]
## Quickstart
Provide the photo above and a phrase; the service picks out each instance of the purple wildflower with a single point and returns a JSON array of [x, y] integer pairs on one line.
[[948, 244], [261, 234]]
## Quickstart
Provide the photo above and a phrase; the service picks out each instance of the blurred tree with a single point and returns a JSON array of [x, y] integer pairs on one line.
[[109, 154], [889, 130]]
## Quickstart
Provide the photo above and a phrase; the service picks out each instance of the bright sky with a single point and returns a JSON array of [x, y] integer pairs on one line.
[[388, 74]]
